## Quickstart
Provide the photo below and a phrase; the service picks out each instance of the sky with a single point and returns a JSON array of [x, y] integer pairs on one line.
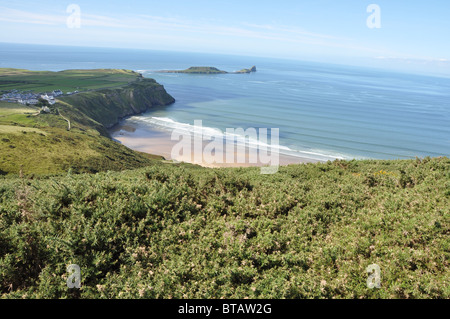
[[399, 34]]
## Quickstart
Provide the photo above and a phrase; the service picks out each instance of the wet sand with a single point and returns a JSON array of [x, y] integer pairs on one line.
[[157, 142]]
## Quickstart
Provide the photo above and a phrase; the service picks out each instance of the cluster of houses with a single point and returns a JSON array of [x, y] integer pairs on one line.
[[31, 98]]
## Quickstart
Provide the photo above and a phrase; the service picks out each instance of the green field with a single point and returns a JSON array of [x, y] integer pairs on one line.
[[5, 129], [16, 114], [68, 80], [7, 109]]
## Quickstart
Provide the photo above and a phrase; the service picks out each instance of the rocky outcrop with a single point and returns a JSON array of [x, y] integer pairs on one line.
[[108, 106], [252, 69], [197, 70], [208, 70]]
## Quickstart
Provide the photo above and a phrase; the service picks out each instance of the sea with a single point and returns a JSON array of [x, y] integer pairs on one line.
[[323, 111]]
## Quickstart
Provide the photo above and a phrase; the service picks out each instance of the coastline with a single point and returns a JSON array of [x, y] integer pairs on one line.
[[158, 142]]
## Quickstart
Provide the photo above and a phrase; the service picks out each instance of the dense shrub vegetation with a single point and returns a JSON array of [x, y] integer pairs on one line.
[[181, 231]]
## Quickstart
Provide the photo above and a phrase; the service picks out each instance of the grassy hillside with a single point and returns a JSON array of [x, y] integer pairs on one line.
[[181, 231], [54, 150], [34, 143]]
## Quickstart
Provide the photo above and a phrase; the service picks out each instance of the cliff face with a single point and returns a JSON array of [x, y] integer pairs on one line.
[[108, 106]]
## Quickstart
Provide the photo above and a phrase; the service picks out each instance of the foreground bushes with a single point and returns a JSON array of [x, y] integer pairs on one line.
[[167, 231]]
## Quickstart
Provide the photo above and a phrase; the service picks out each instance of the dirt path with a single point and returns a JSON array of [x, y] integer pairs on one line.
[[68, 121]]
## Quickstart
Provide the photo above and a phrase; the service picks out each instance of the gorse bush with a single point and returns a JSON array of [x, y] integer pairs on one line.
[[181, 231]]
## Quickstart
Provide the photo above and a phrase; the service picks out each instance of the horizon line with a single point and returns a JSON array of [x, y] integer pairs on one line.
[[374, 68]]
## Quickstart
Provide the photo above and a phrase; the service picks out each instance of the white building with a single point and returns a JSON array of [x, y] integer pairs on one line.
[[50, 99], [45, 109], [28, 101]]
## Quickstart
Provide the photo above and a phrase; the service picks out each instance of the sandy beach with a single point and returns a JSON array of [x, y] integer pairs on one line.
[[158, 142]]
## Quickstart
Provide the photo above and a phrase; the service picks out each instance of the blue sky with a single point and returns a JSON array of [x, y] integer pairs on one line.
[[414, 35]]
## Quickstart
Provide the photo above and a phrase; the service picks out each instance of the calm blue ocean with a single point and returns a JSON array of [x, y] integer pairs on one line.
[[322, 111]]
